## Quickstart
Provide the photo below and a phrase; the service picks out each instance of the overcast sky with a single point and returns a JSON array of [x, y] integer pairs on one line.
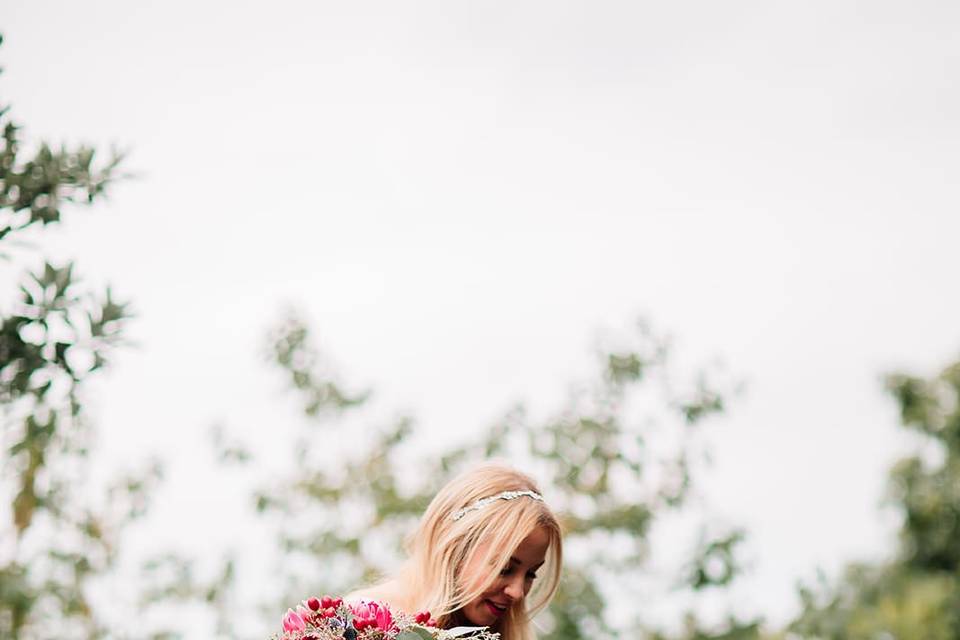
[[460, 195]]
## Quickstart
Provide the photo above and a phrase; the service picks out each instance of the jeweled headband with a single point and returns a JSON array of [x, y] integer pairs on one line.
[[506, 495]]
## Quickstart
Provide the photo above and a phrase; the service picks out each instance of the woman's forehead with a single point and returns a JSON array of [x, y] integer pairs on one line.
[[533, 549]]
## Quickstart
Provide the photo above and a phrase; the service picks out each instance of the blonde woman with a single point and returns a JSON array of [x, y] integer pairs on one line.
[[487, 552]]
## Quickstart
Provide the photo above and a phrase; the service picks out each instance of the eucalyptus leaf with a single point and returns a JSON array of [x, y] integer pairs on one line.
[[422, 633]]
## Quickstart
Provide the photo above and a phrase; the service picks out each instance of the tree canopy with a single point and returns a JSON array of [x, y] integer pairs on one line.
[[606, 482], [917, 593], [54, 335]]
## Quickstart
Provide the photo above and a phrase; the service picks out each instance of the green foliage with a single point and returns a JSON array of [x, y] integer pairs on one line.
[[917, 594], [54, 334], [716, 563], [732, 630], [34, 188], [340, 510]]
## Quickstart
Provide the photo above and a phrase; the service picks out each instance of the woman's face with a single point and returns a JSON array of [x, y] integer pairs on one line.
[[513, 583]]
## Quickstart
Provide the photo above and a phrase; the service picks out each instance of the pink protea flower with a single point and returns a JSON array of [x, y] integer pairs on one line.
[[384, 619], [292, 622], [368, 613]]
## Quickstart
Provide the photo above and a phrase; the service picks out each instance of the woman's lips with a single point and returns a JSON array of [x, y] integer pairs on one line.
[[492, 608]]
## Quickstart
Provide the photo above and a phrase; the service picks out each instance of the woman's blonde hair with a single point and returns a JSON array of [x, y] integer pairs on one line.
[[442, 546]]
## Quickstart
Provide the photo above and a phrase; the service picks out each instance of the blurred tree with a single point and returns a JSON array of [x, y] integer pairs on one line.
[[917, 594], [733, 630], [345, 509], [54, 335]]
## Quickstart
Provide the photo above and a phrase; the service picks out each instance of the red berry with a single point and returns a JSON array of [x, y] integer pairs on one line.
[[314, 604], [325, 601]]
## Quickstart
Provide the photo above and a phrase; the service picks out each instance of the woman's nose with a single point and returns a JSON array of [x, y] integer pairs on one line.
[[514, 589]]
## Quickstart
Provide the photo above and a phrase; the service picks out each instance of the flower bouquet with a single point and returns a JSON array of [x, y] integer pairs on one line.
[[329, 618]]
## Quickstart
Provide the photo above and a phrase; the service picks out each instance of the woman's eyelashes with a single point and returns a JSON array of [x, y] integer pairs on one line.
[[531, 575]]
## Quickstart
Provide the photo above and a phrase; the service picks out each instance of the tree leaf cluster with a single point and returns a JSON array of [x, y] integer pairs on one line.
[[36, 180], [343, 510], [55, 334], [917, 593]]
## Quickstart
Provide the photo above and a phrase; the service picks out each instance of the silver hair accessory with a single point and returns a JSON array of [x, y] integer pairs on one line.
[[506, 495]]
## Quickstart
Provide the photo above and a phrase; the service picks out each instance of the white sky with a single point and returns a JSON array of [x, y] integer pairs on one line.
[[461, 194]]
